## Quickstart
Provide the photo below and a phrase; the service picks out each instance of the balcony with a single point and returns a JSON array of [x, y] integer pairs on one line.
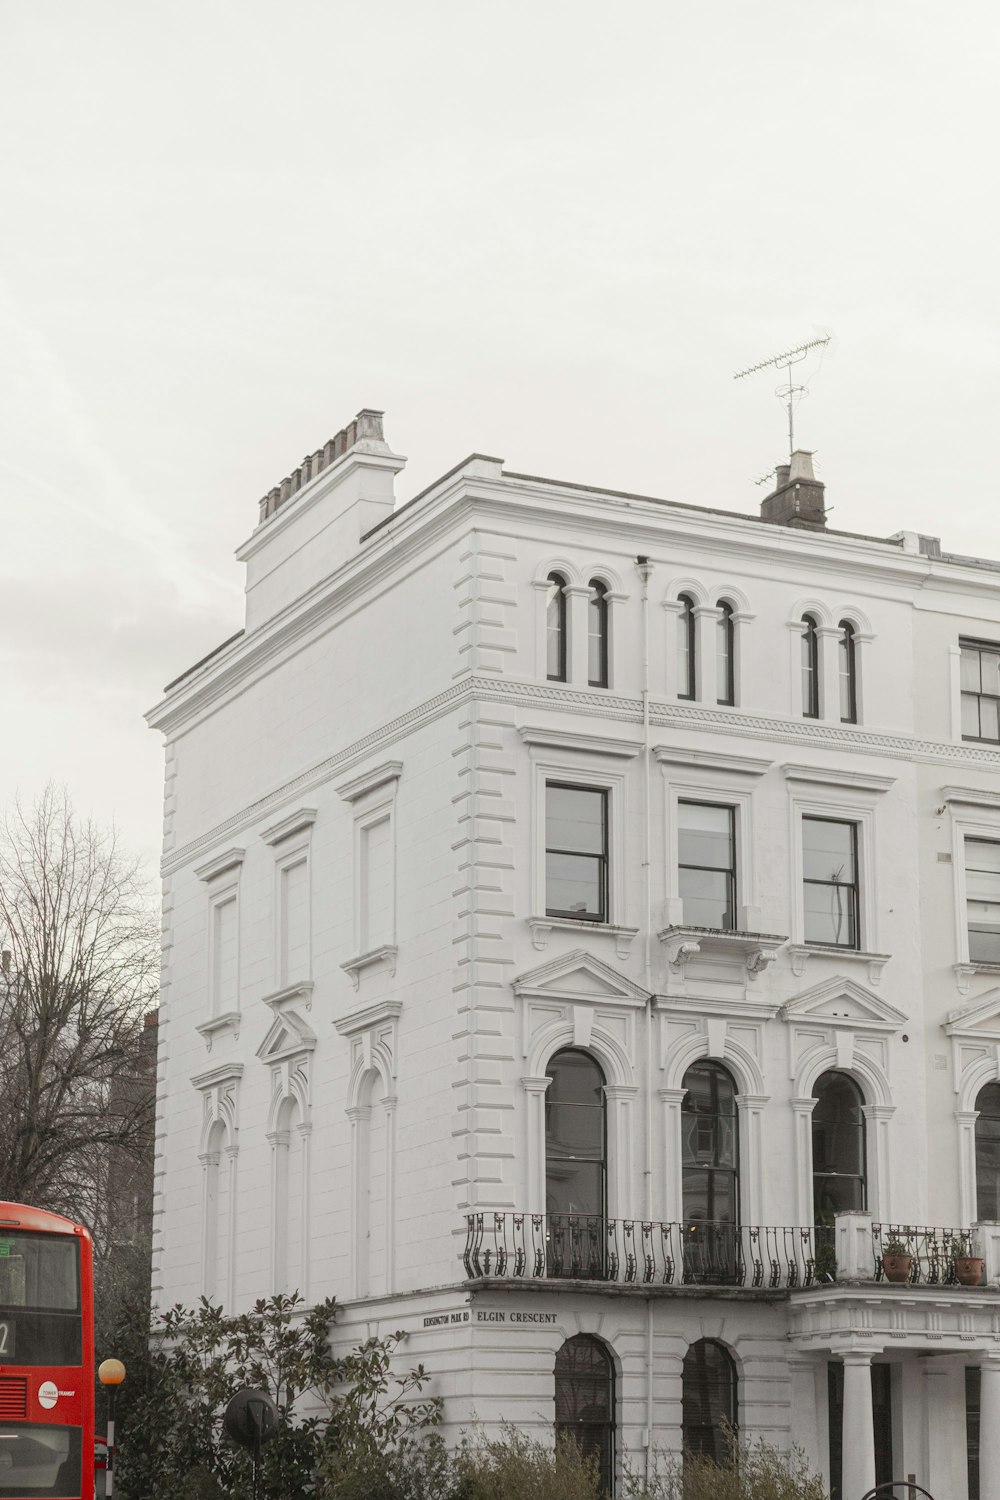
[[510, 1246], [637, 1252]]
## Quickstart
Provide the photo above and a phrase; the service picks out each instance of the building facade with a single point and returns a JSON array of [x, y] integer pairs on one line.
[[582, 950]]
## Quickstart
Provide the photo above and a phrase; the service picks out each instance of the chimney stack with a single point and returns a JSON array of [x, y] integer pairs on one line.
[[797, 498]]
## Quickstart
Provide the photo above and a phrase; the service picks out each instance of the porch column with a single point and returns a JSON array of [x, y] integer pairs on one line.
[[534, 1089], [858, 1475], [802, 1372], [989, 1428]]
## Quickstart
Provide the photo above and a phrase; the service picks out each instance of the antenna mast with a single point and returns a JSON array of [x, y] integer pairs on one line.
[[787, 393]]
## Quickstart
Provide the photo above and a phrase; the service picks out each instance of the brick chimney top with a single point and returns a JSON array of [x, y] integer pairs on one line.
[[798, 496], [365, 433]]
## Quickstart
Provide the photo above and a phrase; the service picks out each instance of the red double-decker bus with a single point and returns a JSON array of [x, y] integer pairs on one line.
[[46, 1357]]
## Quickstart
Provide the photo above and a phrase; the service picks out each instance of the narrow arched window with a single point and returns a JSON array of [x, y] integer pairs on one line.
[[685, 648], [988, 1152], [840, 1181], [810, 669], [710, 1175], [597, 634], [847, 654], [725, 660], [709, 1410], [585, 1402], [575, 1166], [555, 629]]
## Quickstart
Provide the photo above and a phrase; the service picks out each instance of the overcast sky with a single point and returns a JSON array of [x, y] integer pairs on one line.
[[546, 231]]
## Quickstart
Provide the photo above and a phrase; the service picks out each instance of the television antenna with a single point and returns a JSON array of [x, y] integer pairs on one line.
[[789, 393]]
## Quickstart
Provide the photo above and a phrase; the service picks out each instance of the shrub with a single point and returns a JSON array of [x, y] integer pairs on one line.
[[518, 1467], [753, 1471]]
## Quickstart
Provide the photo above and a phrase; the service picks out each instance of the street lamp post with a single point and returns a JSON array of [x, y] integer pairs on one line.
[[111, 1374]]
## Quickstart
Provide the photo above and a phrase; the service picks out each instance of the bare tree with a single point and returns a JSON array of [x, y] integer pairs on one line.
[[79, 936]]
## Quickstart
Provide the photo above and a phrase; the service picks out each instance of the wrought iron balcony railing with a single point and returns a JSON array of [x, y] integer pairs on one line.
[[636, 1252], [936, 1257]]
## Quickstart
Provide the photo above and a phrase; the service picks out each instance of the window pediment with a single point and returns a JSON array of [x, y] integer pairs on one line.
[[579, 976], [288, 1036], [978, 1021], [841, 1002]]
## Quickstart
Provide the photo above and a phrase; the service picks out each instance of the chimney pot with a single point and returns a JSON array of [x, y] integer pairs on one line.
[[798, 496]]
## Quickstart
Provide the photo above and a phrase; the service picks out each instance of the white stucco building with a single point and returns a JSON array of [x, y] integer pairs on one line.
[[572, 899]]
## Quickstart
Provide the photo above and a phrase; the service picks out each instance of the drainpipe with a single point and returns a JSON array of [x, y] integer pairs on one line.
[[645, 568]]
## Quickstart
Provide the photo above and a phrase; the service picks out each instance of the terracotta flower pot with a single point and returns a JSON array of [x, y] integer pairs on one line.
[[897, 1267], [969, 1269]]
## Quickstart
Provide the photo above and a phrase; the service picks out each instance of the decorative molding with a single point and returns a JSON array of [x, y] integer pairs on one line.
[[593, 744], [712, 760], [800, 953], [970, 796], [232, 859], [279, 1000], [541, 927], [861, 1010], [828, 776], [303, 817], [288, 1036], [369, 1017], [214, 1078], [557, 980], [387, 954], [369, 781], [602, 705], [218, 1025], [713, 961]]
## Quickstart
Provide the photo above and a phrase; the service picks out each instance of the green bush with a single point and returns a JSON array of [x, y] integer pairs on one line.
[[753, 1471], [517, 1467]]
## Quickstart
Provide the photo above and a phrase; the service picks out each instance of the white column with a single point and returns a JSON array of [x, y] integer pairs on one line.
[[796, 630], [389, 1105], [672, 612], [623, 1197], [534, 1089], [966, 1164], [989, 1429], [541, 588], [305, 1134], [360, 1117], [673, 1187], [705, 620], [877, 1139], [616, 661], [577, 599], [862, 649], [858, 1474], [828, 644], [751, 1108], [853, 1238], [802, 1110], [741, 656], [229, 1290]]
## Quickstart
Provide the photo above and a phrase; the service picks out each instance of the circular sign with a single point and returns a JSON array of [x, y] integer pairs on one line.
[[48, 1394]]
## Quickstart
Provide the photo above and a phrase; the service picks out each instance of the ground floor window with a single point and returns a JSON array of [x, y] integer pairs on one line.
[[881, 1417], [709, 1399], [972, 1387], [585, 1401]]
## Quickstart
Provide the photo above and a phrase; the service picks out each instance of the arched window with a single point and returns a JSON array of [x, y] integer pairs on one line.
[[725, 655], [988, 1152], [710, 1175], [575, 1166], [709, 1400], [838, 1150], [555, 629], [585, 1401], [597, 635], [685, 648], [810, 669], [848, 674]]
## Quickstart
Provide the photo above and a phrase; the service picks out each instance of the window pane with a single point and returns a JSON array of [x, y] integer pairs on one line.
[[970, 678], [574, 883], [705, 894], [685, 651], [705, 835], [829, 915], [828, 850], [970, 715], [989, 666], [555, 621], [984, 854], [724, 655], [846, 658], [574, 1187], [574, 819], [576, 1079], [989, 718], [597, 636], [575, 1130], [709, 1400]]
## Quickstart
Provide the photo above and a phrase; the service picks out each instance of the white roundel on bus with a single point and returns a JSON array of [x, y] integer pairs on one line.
[[48, 1394]]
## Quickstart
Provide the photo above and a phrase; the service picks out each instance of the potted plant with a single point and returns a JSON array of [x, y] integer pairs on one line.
[[897, 1262], [969, 1263], [825, 1263]]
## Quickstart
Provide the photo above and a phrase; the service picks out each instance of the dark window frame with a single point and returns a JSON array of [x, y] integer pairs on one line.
[[559, 600], [729, 872], [967, 643], [837, 1077], [854, 887], [726, 630], [597, 605], [847, 649], [970, 931], [603, 915], [705, 1436], [810, 667], [687, 625], [605, 1444], [983, 1113]]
